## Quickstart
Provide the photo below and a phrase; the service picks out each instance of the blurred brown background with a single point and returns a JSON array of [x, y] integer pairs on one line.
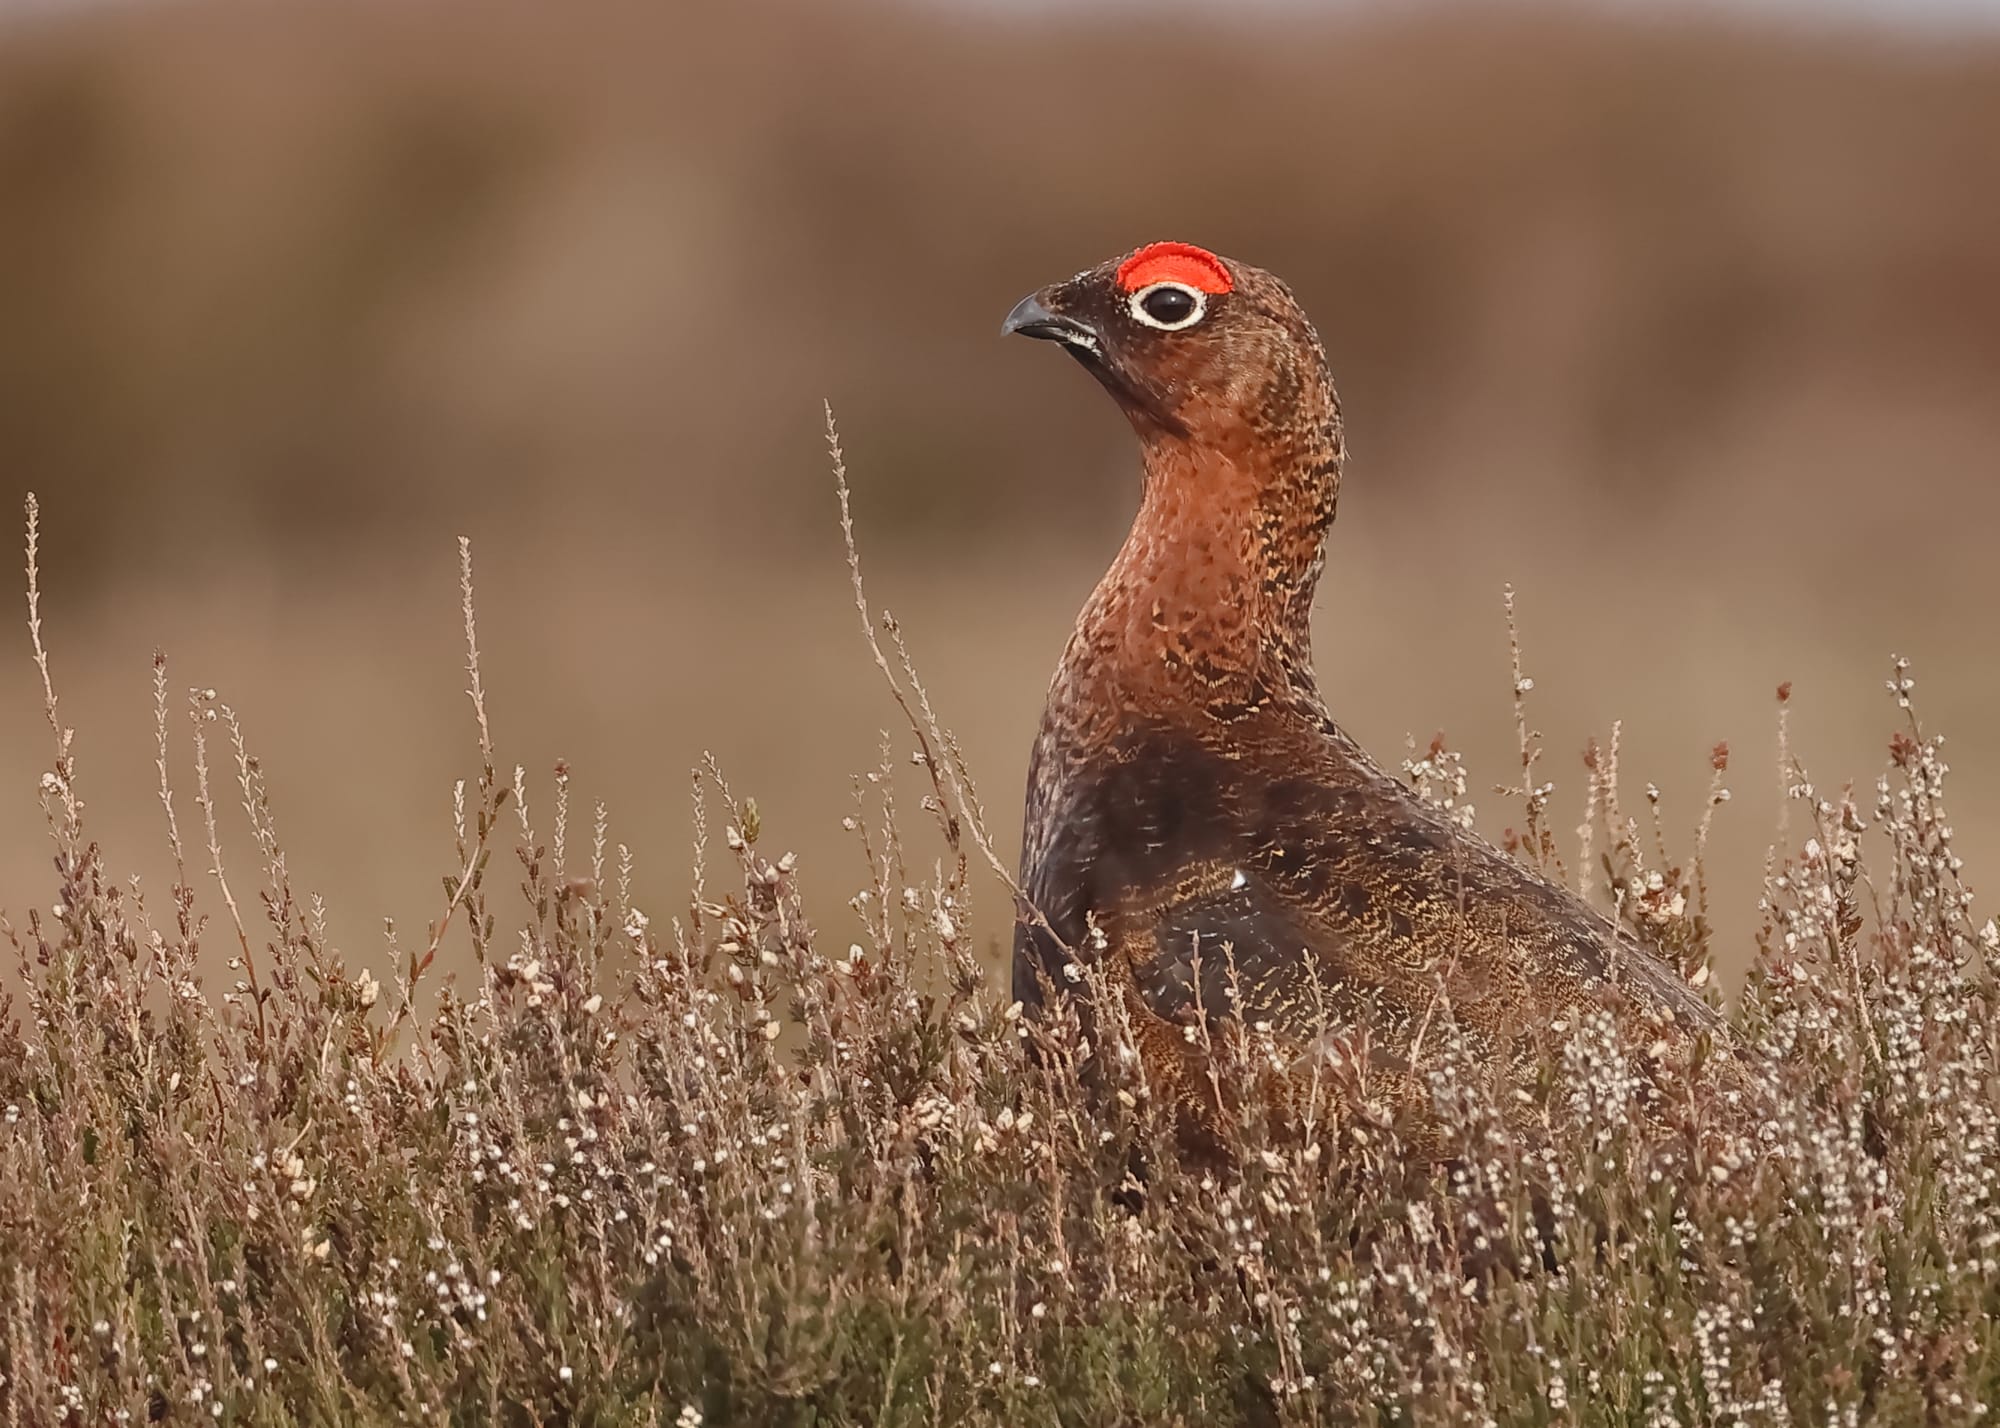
[[1689, 329]]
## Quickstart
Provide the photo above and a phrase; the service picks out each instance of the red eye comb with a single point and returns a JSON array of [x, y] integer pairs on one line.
[[1182, 263]]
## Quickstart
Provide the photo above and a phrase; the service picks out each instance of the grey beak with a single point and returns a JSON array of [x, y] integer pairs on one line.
[[1031, 319]]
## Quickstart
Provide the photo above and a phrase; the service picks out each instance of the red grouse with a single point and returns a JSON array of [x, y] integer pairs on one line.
[[1195, 818]]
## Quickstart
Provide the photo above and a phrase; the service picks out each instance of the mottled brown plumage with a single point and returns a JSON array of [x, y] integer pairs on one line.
[[1189, 795]]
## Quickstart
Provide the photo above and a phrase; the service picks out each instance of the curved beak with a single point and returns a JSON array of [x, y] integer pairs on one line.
[[1032, 318]]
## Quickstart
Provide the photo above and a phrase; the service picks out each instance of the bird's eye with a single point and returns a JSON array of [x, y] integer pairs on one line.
[[1169, 306]]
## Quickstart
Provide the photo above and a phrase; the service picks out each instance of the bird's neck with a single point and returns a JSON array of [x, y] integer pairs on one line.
[[1209, 600]]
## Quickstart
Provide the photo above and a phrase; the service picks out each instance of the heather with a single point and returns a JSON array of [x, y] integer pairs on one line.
[[710, 1163], [291, 298]]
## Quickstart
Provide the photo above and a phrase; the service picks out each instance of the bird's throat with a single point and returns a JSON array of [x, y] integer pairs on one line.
[[1211, 593]]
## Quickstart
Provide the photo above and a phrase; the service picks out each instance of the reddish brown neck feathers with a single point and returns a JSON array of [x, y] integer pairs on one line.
[[1215, 580]]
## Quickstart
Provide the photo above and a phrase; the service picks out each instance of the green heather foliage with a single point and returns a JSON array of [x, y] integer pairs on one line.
[[708, 1168]]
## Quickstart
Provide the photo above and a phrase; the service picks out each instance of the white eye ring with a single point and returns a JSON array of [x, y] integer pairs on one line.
[[1195, 314]]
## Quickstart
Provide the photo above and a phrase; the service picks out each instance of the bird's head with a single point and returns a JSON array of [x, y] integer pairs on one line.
[[1217, 369], [1195, 348]]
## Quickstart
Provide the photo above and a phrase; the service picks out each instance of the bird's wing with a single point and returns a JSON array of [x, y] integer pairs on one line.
[[1221, 940], [1350, 899], [1290, 883]]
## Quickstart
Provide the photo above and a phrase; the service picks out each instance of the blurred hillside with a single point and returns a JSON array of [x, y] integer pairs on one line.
[[1691, 332]]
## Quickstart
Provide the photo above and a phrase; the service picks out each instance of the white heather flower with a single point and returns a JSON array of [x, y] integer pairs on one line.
[[367, 988]]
